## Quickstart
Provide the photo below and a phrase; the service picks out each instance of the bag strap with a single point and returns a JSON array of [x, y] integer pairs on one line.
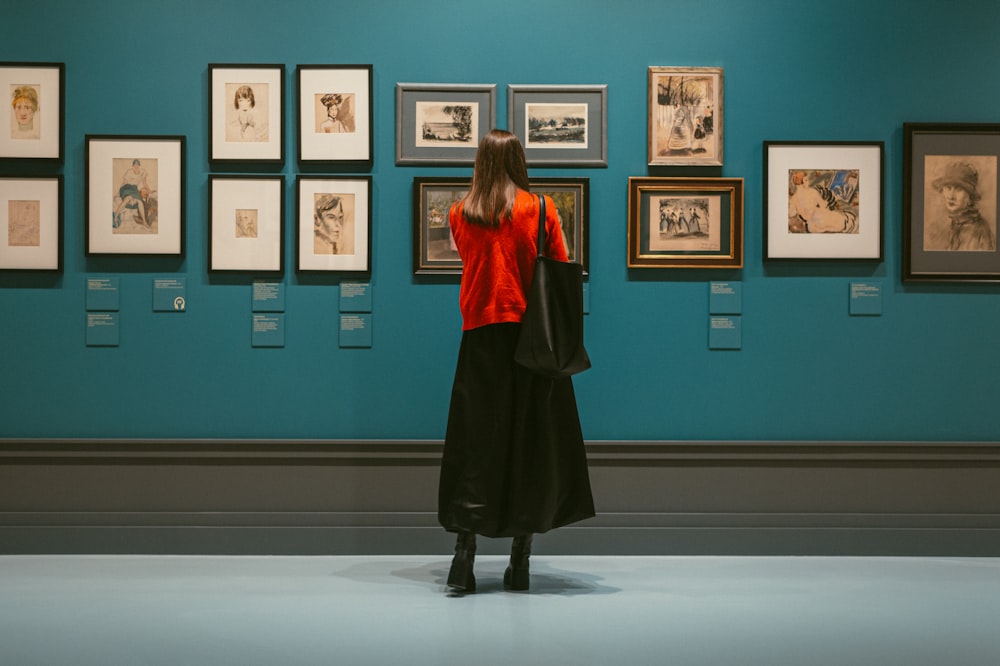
[[541, 225]]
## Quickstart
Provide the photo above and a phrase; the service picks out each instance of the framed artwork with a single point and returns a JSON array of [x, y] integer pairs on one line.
[[246, 121], [823, 200], [334, 223], [335, 114], [135, 195], [31, 223], [434, 249], [950, 202], [32, 125], [560, 125], [442, 124], [246, 224], [685, 222], [685, 116]]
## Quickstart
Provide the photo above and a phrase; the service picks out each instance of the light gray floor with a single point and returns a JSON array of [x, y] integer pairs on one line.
[[105, 610]]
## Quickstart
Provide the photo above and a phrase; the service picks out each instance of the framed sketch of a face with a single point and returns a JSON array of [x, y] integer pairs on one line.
[[32, 121], [335, 114], [333, 232], [246, 223], [246, 105]]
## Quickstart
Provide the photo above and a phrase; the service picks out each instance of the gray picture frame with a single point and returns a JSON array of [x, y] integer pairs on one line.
[[560, 125], [423, 135]]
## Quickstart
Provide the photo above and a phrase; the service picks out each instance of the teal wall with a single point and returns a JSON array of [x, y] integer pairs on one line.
[[927, 369]]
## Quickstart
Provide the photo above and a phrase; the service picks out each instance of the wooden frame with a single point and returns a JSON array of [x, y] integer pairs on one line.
[[31, 223], [433, 249], [950, 202], [33, 118], [561, 125], [823, 200], [335, 114], [246, 113], [334, 224], [135, 195], [685, 222], [246, 223], [685, 116], [441, 124]]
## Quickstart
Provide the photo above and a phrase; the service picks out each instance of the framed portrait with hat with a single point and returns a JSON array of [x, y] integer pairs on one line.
[[950, 201]]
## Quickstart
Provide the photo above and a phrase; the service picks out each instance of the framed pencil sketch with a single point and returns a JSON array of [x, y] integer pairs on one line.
[[246, 120], [950, 202], [32, 125], [246, 227], [560, 125], [135, 195], [335, 114], [685, 222], [441, 124], [823, 200], [31, 223], [685, 116], [334, 226], [434, 248]]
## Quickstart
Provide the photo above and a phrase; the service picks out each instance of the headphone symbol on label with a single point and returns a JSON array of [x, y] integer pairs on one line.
[[179, 303]]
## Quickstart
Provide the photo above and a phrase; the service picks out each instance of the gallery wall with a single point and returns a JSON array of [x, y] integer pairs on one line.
[[925, 369]]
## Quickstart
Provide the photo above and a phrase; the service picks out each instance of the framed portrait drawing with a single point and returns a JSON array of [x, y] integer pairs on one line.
[[335, 114], [823, 200], [950, 202], [442, 124], [246, 120], [32, 124], [334, 228], [434, 249], [246, 227], [31, 223], [560, 125], [135, 195], [685, 222], [685, 116]]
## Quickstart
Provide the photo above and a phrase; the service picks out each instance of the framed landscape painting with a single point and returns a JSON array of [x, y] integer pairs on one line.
[[441, 124], [560, 125]]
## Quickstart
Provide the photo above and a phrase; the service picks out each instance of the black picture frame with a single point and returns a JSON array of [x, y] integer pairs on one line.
[[351, 250], [246, 223], [345, 139], [40, 135], [31, 223], [945, 240], [255, 134]]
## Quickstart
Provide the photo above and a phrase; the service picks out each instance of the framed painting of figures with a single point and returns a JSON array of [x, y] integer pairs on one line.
[[135, 195], [32, 122], [823, 200], [440, 124], [685, 116], [951, 180], [685, 222]]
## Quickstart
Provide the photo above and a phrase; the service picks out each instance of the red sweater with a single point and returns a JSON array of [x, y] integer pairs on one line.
[[498, 262]]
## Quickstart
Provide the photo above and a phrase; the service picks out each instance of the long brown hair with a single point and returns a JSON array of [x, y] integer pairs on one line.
[[500, 171]]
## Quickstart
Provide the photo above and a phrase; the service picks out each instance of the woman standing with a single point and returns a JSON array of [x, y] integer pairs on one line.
[[514, 462]]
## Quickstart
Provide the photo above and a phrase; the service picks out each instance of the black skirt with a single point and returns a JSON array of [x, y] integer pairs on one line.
[[514, 461]]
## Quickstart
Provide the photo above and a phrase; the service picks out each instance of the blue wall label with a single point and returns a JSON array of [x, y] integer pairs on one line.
[[102, 329], [268, 296], [725, 298], [356, 330], [866, 299], [268, 330], [103, 294], [356, 297], [169, 295], [724, 333]]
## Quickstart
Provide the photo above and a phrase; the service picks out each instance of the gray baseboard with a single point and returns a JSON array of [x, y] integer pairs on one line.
[[232, 497]]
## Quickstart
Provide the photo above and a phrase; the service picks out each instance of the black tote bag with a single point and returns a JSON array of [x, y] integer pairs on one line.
[[551, 338]]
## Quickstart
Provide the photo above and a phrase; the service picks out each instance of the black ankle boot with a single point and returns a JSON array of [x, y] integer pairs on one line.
[[516, 575], [460, 576]]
